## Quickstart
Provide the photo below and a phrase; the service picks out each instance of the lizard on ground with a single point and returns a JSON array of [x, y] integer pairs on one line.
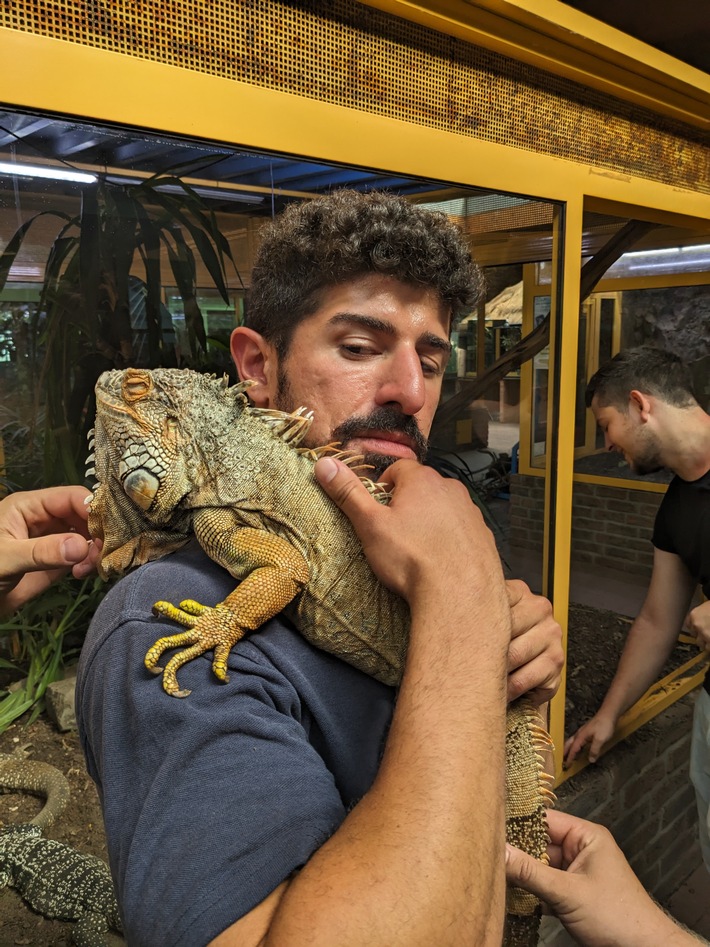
[[54, 879], [178, 453], [40, 779]]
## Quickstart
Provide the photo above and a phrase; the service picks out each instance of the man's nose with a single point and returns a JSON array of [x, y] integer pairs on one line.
[[402, 383], [608, 443]]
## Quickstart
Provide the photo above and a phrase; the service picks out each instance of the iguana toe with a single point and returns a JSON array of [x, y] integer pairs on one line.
[[209, 629]]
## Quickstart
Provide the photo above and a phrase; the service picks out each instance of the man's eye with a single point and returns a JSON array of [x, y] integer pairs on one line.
[[431, 368], [357, 349]]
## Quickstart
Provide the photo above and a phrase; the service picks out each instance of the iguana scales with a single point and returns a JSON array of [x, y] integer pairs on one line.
[[178, 453]]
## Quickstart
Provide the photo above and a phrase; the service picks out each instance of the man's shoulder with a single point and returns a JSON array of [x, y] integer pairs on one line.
[[187, 573]]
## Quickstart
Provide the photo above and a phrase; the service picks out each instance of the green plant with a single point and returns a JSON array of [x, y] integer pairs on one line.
[[44, 637], [84, 322]]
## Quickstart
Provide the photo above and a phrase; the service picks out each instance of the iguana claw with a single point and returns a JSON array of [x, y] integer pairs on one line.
[[210, 628]]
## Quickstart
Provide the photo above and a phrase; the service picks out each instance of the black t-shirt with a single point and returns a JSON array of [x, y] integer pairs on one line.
[[212, 800], [683, 526]]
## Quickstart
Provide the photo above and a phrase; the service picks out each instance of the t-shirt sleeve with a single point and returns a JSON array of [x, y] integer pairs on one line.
[[661, 536], [210, 801]]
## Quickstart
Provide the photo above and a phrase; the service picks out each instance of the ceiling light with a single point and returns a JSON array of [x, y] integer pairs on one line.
[[39, 171]]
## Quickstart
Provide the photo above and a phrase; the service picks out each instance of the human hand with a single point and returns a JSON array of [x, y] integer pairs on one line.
[[595, 732], [429, 536], [535, 655], [43, 534], [591, 888], [698, 623]]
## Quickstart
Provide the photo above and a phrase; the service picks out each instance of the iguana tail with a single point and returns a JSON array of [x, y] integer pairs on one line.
[[528, 795]]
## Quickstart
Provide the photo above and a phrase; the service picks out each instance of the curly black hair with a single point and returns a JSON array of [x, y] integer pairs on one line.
[[651, 370], [320, 243]]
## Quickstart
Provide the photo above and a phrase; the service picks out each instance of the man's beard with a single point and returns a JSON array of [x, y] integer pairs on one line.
[[645, 465], [385, 419], [646, 459]]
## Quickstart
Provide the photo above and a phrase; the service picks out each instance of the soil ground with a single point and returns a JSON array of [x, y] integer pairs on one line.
[[596, 638]]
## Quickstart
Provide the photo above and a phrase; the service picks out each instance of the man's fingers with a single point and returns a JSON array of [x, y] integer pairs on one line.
[[573, 746], [524, 871], [58, 551], [343, 486]]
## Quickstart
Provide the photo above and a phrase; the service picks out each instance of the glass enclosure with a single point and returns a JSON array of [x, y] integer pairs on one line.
[[146, 260]]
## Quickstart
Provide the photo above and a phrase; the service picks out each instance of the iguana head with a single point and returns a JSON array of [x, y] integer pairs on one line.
[[152, 428]]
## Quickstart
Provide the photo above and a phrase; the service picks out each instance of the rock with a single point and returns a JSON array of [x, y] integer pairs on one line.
[[59, 699]]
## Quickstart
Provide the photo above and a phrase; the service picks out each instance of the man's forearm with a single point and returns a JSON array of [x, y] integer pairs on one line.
[[420, 860], [646, 651]]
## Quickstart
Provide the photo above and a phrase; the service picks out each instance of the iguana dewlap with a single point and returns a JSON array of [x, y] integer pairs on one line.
[[179, 453]]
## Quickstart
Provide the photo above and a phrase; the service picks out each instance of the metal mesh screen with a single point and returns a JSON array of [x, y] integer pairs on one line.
[[341, 52]]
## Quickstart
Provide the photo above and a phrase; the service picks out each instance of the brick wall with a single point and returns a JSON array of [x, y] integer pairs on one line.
[[611, 526], [640, 790]]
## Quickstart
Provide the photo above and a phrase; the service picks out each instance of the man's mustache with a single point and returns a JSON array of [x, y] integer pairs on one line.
[[384, 419]]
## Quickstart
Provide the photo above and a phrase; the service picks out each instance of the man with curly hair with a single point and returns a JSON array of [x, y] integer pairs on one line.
[[304, 802]]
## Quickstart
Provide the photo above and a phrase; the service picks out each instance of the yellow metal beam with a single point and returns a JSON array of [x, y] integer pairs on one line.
[[565, 396]]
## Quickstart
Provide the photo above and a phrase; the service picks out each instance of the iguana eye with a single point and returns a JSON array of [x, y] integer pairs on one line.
[[141, 486]]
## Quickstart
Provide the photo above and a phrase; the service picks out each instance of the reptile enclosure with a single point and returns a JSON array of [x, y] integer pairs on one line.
[[552, 139]]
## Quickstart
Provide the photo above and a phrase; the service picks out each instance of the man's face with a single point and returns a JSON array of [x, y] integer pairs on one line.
[[626, 433], [369, 363]]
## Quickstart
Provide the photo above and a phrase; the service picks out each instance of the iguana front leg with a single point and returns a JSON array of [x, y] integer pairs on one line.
[[278, 573]]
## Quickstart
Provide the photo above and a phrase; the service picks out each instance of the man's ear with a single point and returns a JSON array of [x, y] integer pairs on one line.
[[256, 361], [641, 403]]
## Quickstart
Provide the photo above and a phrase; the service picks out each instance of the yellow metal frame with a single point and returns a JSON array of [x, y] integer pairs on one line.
[[128, 91]]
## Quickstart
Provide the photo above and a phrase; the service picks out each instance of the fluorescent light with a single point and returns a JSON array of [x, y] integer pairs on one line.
[[215, 193], [39, 171]]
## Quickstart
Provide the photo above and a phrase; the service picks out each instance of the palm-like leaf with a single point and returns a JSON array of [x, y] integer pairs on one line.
[[83, 319]]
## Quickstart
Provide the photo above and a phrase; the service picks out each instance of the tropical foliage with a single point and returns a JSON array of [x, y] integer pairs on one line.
[[85, 321]]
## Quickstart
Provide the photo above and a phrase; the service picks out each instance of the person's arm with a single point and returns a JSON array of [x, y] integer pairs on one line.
[[43, 534], [420, 859], [650, 640], [591, 888], [698, 624]]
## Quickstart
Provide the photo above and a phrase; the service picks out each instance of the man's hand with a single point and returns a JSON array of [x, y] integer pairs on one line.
[[698, 623], [595, 732], [43, 534], [591, 888], [430, 533], [535, 656]]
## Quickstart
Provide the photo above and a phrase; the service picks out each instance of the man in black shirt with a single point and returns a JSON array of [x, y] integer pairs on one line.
[[644, 403]]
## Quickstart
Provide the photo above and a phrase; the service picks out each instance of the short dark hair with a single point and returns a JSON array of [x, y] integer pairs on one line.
[[317, 244], [653, 371]]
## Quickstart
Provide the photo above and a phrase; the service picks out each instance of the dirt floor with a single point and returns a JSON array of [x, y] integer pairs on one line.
[[595, 641]]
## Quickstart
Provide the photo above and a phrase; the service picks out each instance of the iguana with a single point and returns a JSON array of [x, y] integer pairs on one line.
[[178, 453], [54, 879]]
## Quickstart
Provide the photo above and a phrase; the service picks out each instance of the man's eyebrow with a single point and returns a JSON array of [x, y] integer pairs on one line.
[[429, 339]]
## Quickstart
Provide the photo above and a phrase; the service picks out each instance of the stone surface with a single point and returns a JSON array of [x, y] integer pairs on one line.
[[59, 699]]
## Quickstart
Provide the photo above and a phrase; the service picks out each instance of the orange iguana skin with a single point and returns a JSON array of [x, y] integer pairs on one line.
[[179, 453]]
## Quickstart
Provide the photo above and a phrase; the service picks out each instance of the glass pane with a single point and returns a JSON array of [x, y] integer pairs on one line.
[[176, 300]]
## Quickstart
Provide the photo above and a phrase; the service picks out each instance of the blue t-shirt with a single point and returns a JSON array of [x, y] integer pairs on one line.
[[212, 800]]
